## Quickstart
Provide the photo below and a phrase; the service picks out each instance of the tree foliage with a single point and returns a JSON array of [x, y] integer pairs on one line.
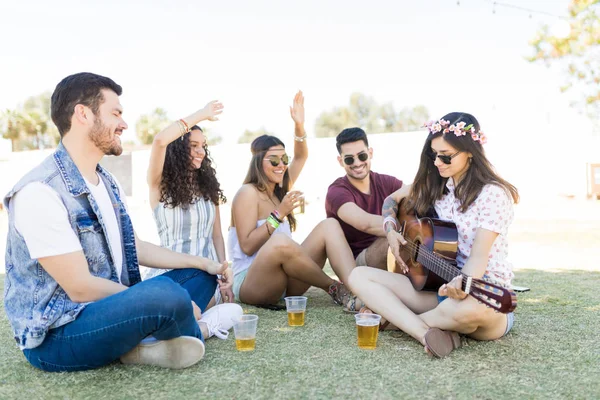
[[29, 126], [148, 125], [248, 136], [578, 52], [365, 112]]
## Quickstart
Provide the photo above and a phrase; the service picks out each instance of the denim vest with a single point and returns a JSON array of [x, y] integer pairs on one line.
[[33, 300]]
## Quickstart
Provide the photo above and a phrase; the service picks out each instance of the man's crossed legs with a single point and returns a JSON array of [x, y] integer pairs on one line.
[[109, 328]]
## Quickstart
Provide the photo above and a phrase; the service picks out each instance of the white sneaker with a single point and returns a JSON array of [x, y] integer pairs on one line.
[[177, 353], [220, 318]]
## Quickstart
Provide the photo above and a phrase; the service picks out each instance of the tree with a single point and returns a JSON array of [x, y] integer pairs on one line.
[[11, 126], [248, 136], [29, 126], [148, 125], [364, 111], [578, 51]]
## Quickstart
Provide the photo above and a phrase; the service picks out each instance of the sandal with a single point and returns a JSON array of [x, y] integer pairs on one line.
[[441, 343], [343, 297], [383, 323]]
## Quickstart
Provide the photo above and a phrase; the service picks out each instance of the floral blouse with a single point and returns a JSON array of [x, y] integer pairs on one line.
[[492, 210]]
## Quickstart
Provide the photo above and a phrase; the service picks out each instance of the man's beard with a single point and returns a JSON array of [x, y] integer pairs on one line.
[[101, 137]]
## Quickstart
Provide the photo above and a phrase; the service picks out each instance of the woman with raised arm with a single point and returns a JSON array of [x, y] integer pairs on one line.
[[185, 196], [456, 180], [267, 263]]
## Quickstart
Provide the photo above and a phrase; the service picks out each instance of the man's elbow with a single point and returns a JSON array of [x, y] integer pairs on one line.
[[80, 296], [82, 292]]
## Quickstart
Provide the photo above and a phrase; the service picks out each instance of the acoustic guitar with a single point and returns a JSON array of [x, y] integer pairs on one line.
[[430, 255]]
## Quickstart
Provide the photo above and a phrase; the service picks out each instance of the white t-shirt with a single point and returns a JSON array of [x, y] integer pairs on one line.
[[46, 229]]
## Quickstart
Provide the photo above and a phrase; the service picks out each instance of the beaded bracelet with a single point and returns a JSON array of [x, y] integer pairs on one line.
[[277, 216], [300, 138]]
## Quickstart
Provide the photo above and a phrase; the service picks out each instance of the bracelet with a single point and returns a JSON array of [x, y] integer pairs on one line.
[[392, 220], [187, 127], [268, 231], [182, 127], [300, 138], [277, 216], [273, 222]]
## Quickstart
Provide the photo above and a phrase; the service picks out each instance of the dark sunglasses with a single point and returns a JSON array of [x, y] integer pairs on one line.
[[349, 159], [276, 160], [445, 159]]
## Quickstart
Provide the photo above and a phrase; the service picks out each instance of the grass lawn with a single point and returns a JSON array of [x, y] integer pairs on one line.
[[552, 352]]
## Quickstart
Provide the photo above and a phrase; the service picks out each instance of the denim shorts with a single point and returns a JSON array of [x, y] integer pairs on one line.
[[238, 279], [510, 317]]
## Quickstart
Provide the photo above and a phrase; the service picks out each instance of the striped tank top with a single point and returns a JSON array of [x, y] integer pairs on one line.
[[185, 230]]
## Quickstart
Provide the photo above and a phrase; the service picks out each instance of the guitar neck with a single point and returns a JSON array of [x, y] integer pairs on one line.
[[437, 265]]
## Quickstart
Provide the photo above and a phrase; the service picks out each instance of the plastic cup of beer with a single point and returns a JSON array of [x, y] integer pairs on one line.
[[296, 309], [367, 326], [244, 329]]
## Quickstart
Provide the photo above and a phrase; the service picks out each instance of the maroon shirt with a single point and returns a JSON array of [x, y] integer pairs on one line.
[[341, 192]]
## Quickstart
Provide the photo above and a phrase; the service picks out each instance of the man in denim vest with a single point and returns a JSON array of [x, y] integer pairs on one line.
[[72, 291]]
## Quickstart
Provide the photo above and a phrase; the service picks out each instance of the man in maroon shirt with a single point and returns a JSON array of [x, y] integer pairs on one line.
[[356, 199]]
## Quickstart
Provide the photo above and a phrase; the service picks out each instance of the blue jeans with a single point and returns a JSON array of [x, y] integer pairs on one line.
[[108, 328]]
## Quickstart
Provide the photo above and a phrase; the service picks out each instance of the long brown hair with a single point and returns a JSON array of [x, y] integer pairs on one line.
[[429, 186], [256, 174]]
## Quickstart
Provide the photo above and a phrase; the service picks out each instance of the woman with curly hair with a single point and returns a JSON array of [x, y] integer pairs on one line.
[[267, 263], [185, 196]]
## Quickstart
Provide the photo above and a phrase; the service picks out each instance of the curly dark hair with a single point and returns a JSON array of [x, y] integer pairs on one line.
[[182, 185]]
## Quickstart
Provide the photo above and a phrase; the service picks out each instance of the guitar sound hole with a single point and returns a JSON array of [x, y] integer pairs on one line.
[[416, 251]]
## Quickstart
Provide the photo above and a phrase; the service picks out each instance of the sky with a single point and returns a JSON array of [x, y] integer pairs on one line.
[[254, 55]]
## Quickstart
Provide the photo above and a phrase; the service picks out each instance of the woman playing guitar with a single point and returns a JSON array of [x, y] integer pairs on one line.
[[456, 180]]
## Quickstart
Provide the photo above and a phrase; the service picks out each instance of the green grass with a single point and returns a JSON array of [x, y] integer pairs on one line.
[[552, 352]]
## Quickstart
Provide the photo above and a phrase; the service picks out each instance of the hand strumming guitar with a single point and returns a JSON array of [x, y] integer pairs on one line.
[[395, 240]]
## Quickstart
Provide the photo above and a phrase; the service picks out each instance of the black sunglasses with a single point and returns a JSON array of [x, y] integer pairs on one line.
[[276, 160], [362, 156], [445, 159]]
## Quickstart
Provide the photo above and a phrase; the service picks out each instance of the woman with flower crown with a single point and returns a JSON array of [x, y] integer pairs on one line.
[[456, 180]]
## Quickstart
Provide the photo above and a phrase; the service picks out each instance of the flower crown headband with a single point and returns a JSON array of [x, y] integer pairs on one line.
[[460, 129]]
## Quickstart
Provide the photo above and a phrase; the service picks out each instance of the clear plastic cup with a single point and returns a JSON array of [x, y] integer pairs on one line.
[[367, 326], [296, 310], [244, 329]]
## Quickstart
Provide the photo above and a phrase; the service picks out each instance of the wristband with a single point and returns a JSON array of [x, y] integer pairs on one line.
[[277, 216], [300, 138], [273, 222]]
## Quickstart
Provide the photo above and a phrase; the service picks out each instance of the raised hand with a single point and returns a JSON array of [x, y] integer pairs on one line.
[[290, 201], [212, 109], [297, 108]]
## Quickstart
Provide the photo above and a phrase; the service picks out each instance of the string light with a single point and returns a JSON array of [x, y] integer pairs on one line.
[[530, 11]]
